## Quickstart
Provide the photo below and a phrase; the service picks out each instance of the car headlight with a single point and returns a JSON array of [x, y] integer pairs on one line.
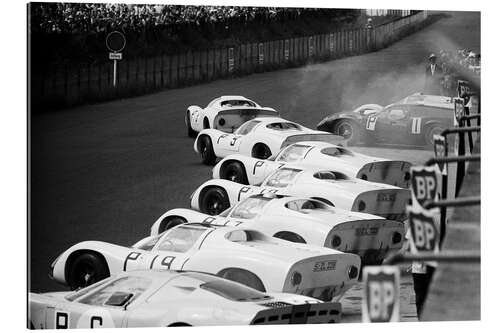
[[296, 279], [361, 206], [336, 241], [222, 121], [352, 272]]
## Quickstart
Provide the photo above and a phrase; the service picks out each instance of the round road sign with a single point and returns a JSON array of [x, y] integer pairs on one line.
[[115, 41]]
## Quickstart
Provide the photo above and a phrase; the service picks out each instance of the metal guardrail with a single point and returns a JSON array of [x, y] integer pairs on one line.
[[445, 256], [457, 202], [452, 159]]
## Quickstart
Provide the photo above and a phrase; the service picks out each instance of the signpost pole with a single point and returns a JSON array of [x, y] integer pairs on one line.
[[114, 73]]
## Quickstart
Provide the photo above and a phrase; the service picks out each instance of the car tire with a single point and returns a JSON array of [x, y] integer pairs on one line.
[[87, 268], [290, 236], [207, 150], [261, 151], [429, 134], [244, 277], [190, 132], [348, 130], [213, 201], [169, 222], [235, 172]]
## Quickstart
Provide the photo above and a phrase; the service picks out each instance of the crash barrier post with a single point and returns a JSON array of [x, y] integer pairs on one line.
[[444, 184], [445, 256]]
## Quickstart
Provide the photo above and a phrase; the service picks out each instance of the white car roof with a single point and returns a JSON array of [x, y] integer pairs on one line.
[[215, 103]]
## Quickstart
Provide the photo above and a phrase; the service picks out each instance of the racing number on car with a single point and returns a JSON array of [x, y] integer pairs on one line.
[[61, 320], [257, 164], [370, 122], [244, 189], [380, 294], [233, 141], [416, 125], [222, 137]]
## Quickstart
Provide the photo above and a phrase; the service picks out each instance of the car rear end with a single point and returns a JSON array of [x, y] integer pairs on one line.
[[323, 277], [371, 239], [387, 203], [395, 173], [230, 120], [279, 313]]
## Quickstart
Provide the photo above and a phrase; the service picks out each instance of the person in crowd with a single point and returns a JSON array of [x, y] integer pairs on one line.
[[433, 76]]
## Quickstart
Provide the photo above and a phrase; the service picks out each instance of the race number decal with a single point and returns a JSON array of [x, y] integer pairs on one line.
[[424, 231], [424, 184], [243, 190], [441, 150], [233, 140], [61, 320], [370, 122], [221, 137], [380, 294], [416, 125], [132, 256], [96, 318], [258, 164]]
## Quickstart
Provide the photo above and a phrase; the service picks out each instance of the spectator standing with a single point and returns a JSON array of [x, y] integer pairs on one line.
[[433, 77]]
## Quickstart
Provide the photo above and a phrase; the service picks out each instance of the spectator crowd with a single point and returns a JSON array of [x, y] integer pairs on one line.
[[461, 64], [77, 18]]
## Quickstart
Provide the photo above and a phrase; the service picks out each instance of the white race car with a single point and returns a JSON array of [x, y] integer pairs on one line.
[[252, 171], [172, 298], [303, 220], [259, 138], [225, 113], [243, 255], [332, 187]]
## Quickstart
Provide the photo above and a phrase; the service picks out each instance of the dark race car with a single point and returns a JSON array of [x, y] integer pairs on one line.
[[413, 120]]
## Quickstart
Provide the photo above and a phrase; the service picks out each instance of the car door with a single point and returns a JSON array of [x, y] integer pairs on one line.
[[392, 124]]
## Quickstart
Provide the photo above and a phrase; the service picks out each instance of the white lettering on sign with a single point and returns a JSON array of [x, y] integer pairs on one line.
[[261, 53], [424, 232], [416, 125], [424, 184], [380, 294], [115, 56]]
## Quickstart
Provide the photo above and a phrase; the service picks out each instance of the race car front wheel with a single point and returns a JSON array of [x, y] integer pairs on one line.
[[261, 151], [85, 269], [207, 151], [190, 132], [213, 201], [431, 131], [169, 222], [244, 277], [235, 172], [348, 130]]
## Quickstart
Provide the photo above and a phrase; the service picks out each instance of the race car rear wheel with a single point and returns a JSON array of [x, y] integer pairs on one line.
[[170, 222], [348, 130], [206, 150], [190, 132], [244, 277], [261, 151], [85, 269], [214, 200], [234, 171], [429, 134]]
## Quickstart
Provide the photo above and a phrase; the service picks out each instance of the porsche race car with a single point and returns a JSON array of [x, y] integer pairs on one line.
[[225, 113], [152, 298], [332, 187], [303, 220], [413, 120], [260, 138], [252, 171], [240, 254]]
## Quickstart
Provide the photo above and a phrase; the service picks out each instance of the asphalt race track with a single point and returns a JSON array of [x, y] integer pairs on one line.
[[107, 171]]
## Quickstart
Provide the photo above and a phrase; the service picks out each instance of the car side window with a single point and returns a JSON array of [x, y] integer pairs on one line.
[[180, 239], [247, 127]]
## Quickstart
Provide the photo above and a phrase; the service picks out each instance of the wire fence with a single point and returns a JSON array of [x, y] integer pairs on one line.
[[66, 85]]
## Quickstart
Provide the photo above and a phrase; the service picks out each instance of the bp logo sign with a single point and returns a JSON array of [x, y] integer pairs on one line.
[[424, 184], [380, 294], [424, 231]]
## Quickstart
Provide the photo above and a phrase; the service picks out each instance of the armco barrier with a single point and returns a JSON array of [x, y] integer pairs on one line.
[[67, 85]]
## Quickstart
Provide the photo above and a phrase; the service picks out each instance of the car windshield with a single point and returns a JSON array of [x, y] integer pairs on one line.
[[282, 177], [181, 238], [247, 127], [250, 207], [336, 151], [293, 153], [119, 292], [283, 126], [306, 205], [228, 289], [150, 243], [238, 102]]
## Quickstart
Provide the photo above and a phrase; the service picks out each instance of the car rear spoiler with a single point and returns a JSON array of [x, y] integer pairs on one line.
[[311, 313]]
